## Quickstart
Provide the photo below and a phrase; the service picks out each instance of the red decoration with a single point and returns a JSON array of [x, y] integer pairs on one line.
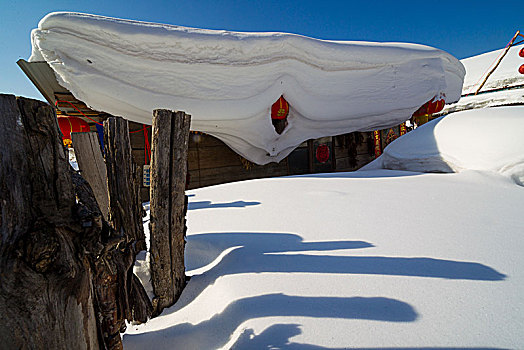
[[521, 69], [71, 124], [521, 52], [377, 142], [430, 107], [322, 153], [280, 109]]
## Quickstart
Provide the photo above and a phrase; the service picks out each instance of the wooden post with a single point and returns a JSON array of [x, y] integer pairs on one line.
[[123, 180], [168, 206], [46, 296], [91, 164]]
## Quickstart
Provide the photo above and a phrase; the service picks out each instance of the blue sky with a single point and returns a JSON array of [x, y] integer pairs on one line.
[[462, 28]]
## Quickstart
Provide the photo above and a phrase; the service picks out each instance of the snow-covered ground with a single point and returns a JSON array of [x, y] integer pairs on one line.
[[228, 81], [376, 259]]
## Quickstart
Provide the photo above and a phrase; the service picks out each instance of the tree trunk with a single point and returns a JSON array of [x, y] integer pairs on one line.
[[46, 298], [65, 273], [91, 164], [168, 206]]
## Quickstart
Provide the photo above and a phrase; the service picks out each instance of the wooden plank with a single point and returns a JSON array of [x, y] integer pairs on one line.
[[168, 206], [125, 206], [343, 164], [91, 164], [217, 156], [214, 176]]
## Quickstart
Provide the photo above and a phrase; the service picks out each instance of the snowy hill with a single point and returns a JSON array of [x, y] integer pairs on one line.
[[228, 81], [374, 259]]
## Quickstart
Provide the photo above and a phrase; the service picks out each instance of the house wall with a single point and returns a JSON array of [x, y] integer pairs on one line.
[[211, 162]]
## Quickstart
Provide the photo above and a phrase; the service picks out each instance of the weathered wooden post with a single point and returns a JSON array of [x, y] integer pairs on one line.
[[46, 296], [168, 206], [66, 277], [91, 163], [123, 180]]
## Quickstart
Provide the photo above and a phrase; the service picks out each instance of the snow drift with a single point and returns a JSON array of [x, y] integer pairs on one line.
[[380, 259], [486, 139], [228, 81]]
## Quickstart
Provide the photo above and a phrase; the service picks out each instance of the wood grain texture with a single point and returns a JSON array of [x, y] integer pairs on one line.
[[168, 206], [123, 179], [46, 300], [92, 166]]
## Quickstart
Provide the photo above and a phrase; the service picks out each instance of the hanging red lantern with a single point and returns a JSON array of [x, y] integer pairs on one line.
[[431, 107], [69, 124], [521, 69], [280, 109], [521, 52], [322, 153]]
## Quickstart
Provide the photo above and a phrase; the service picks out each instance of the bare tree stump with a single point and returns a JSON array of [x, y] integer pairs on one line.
[[46, 299], [65, 274], [123, 179], [91, 164], [168, 206]]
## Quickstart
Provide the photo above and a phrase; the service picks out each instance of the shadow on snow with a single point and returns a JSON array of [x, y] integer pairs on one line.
[[216, 332]]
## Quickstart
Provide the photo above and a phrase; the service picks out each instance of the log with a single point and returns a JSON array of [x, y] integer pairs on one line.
[[91, 164], [168, 206], [46, 299], [123, 180]]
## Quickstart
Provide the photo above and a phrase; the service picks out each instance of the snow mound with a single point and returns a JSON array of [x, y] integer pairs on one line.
[[228, 81], [483, 139]]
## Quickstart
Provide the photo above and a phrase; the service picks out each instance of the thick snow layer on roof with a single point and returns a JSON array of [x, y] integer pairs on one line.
[[487, 139], [506, 76], [228, 81]]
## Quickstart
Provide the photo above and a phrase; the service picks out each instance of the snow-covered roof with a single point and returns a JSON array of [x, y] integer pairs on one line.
[[228, 81], [505, 86]]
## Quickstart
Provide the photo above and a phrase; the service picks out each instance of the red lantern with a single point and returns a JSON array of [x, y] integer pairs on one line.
[[431, 107], [322, 153], [280, 109], [71, 124], [521, 52], [521, 69]]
